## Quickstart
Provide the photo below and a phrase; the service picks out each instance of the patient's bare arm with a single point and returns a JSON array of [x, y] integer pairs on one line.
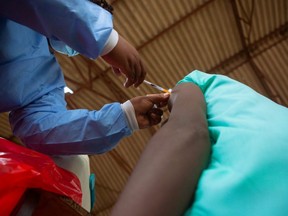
[[165, 178]]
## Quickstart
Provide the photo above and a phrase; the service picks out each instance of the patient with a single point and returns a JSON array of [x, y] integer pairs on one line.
[[246, 172], [161, 183]]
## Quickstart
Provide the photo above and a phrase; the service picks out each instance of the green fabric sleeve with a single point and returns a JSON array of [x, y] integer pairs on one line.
[[248, 171]]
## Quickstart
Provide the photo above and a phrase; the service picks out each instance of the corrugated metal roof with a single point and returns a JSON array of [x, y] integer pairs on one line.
[[173, 39]]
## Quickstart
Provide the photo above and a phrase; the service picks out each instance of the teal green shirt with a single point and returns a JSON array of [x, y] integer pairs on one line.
[[248, 171]]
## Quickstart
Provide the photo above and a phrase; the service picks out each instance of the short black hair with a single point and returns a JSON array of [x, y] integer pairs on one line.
[[103, 4]]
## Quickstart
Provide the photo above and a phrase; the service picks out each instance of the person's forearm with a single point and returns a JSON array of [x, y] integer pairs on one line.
[[166, 176], [46, 126]]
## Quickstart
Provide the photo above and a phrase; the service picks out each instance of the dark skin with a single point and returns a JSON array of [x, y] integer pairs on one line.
[[165, 178], [125, 59], [146, 114]]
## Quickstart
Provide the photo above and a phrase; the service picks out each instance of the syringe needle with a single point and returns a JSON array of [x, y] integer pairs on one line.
[[156, 86]]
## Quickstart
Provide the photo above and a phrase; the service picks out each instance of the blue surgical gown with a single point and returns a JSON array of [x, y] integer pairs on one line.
[[31, 81]]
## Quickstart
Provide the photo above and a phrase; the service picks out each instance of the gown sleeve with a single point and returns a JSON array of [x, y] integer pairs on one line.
[[82, 25], [32, 82], [46, 126]]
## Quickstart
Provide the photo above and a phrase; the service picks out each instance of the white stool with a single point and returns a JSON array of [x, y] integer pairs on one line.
[[80, 166]]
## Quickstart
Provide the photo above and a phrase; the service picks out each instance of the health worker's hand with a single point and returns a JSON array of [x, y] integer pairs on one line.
[[125, 59], [146, 113]]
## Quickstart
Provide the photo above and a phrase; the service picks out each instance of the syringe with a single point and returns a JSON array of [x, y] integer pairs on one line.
[[157, 87]]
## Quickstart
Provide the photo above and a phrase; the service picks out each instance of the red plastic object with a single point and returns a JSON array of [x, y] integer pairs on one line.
[[22, 168]]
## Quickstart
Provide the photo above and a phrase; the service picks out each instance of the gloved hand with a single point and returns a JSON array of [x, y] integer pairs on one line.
[[125, 59], [146, 113]]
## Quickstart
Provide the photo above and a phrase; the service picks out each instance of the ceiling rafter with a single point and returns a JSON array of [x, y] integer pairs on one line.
[[206, 3], [257, 71], [247, 19], [254, 50], [82, 87], [238, 21]]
